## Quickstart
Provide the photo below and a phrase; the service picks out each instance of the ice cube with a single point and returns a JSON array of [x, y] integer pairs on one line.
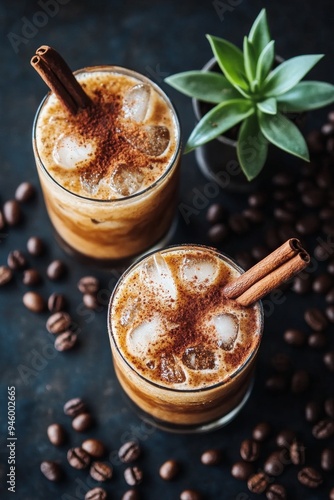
[[199, 358], [126, 179], [136, 102], [68, 151], [158, 276], [227, 327], [144, 336], [152, 140], [90, 181], [200, 273], [170, 370], [130, 312]]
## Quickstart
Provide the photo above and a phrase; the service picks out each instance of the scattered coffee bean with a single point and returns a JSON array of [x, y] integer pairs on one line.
[[133, 475], [330, 296], [316, 319], [96, 494], [131, 495], [322, 283], [274, 464], [101, 471], [330, 268], [34, 302], [317, 340], [313, 198], [285, 438], [282, 179], [329, 407], [78, 458], [297, 453], [259, 252], [276, 383], [190, 495], [90, 301], [238, 223], [261, 431], [308, 224], [56, 302], [31, 277], [276, 492], [89, 284], [323, 429], [65, 341], [129, 452], [284, 215], [302, 284], [169, 470], [309, 477], [51, 470], [6, 275], [74, 407], [320, 253], [56, 434], [327, 459], [94, 447], [329, 360], [295, 337], [211, 457], [330, 313], [249, 450], [55, 270], [253, 215], [281, 362], [12, 212], [257, 199], [35, 246], [300, 381], [312, 411], [25, 192], [217, 233], [331, 494], [215, 213], [257, 483], [58, 322], [16, 260], [82, 422], [242, 470], [2, 221]]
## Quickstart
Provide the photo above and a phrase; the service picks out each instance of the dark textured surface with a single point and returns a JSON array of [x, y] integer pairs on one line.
[[157, 39]]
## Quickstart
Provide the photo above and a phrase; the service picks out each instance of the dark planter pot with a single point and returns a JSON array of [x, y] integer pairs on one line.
[[218, 159]]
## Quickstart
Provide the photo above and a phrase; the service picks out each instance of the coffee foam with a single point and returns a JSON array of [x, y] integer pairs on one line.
[[176, 328]]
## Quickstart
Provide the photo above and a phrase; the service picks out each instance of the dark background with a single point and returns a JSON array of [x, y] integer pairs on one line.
[[157, 39]]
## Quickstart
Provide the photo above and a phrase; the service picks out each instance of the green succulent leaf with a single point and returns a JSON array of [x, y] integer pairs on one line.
[[283, 134], [249, 59], [306, 96], [221, 118], [259, 34], [268, 106], [230, 60], [265, 61], [288, 74], [203, 85], [252, 147]]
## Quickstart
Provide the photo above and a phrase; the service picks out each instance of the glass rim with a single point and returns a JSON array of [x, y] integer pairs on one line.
[[142, 78], [175, 247]]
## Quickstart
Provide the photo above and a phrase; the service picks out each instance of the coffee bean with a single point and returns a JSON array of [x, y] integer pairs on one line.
[[322, 283], [313, 197], [56, 302], [96, 494], [217, 233], [327, 459], [58, 322], [302, 284], [249, 450], [253, 215], [211, 457], [89, 284], [329, 360], [94, 447], [78, 458], [35, 246], [316, 319], [51, 470], [320, 253], [276, 492], [2, 221], [242, 470], [282, 179], [101, 471], [261, 431], [25, 192], [329, 407], [12, 212], [297, 452], [300, 381], [244, 259], [276, 383], [34, 302], [257, 483], [294, 337], [238, 223], [56, 434], [91, 302], [31, 277], [323, 429], [309, 477], [282, 194], [133, 475], [330, 296], [129, 452], [82, 422], [215, 213], [257, 199], [56, 270], [284, 215], [169, 470], [6, 275], [65, 341], [285, 438], [74, 407], [274, 464], [317, 340], [331, 494], [330, 313], [16, 260], [308, 224], [312, 411], [131, 495], [281, 362], [259, 252], [190, 495]]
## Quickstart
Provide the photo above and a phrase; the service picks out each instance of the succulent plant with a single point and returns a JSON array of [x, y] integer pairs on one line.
[[254, 93]]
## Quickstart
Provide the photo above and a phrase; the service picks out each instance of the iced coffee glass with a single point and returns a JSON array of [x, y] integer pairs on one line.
[[109, 174], [183, 352]]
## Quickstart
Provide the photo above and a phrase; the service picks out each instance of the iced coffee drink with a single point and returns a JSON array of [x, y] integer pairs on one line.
[[109, 173], [183, 352]]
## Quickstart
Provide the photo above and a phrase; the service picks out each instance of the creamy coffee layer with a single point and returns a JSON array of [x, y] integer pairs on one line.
[[172, 324], [118, 147]]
